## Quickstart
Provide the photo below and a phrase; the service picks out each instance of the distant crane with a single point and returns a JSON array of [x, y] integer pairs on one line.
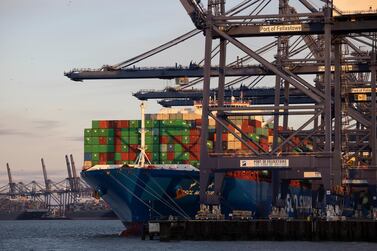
[[11, 184]]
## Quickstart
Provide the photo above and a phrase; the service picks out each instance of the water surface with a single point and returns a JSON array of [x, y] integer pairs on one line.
[[103, 235]]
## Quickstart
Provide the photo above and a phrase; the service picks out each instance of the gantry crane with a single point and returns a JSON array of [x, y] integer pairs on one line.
[[343, 73]]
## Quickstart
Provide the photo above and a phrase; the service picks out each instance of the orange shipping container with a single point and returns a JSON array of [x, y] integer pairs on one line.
[[103, 124]]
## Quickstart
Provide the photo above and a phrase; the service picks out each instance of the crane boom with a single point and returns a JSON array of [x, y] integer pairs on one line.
[[47, 185], [75, 178], [11, 184], [69, 172]]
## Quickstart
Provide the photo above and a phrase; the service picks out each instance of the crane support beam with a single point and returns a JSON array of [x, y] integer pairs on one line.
[[195, 72], [339, 27], [257, 93]]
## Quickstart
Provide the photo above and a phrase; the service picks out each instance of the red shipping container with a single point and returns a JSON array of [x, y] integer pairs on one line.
[[263, 140], [106, 156], [102, 140], [193, 138], [124, 156], [118, 148], [170, 155], [132, 156], [271, 132], [194, 156], [134, 148], [244, 147], [254, 146], [197, 148], [250, 129], [118, 140], [164, 139], [102, 162], [110, 156], [103, 124], [224, 137], [245, 124], [255, 123], [117, 133], [124, 124], [116, 124], [194, 132], [102, 157], [150, 156], [265, 147], [198, 122], [177, 139]]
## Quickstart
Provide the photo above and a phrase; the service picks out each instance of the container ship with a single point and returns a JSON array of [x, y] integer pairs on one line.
[[149, 169]]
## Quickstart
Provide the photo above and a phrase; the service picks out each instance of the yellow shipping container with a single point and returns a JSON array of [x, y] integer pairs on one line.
[[270, 139]]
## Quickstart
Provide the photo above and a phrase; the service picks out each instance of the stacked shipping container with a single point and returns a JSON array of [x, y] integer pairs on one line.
[[169, 139]]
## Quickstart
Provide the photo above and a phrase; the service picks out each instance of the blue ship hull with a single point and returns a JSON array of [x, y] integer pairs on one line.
[[137, 195]]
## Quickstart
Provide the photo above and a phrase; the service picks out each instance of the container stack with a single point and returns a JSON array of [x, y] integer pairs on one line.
[[171, 139]]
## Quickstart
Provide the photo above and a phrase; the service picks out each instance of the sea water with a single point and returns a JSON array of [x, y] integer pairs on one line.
[[103, 235]]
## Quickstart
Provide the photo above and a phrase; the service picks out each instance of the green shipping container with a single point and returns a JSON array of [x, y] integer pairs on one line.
[[185, 132], [148, 124], [87, 132], [156, 140], [106, 132], [92, 140], [254, 137], [194, 163], [154, 148], [135, 123], [134, 132], [156, 124], [118, 156], [178, 148], [155, 156], [125, 148], [95, 133], [95, 149], [124, 140], [106, 148], [148, 141], [95, 124], [185, 140], [163, 156], [87, 148], [134, 140], [124, 132], [110, 140], [181, 156], [261, 131], [87, 141], [95, 156]]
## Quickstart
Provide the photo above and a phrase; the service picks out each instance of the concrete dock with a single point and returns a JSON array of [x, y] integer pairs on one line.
[[275, 230]]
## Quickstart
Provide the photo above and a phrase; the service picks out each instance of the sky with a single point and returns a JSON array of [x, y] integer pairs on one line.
[[43, 113]]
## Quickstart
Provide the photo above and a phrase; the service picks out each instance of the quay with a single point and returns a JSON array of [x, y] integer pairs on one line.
[[272, 230]]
